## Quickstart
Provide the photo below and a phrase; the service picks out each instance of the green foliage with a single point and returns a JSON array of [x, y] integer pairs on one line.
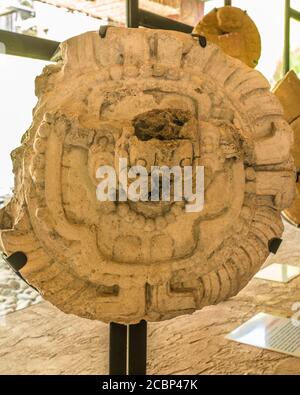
[[295, 65]]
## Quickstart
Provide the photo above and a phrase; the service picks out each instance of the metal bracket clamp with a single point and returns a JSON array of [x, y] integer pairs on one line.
[[201, 39], [103, 30], [274, 244], [17, 261]]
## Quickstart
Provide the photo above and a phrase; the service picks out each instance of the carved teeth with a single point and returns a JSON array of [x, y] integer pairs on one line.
[[158, 70], [176, 209], [146, 70], [160, 223], [116, 72], [39, 145], [103, 75], [44, 130], [239, 225], [170, 218], [140, 222], [48, 117], [110, 148], [250, 187], [36, 174], [131, 71], [38, 162], [150, 225], [131, 216], [250, 174], [173, 73], [42, 214], [223, 113], [246, 213]]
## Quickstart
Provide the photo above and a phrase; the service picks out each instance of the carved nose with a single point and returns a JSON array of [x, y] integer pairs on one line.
[[160, 124]]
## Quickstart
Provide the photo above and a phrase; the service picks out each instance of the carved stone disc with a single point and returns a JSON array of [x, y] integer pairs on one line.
[[153, 97]]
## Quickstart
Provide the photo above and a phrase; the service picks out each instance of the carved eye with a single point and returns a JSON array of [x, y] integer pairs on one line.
[[186, 162], [141, 162], [103, 142], [207, 140]]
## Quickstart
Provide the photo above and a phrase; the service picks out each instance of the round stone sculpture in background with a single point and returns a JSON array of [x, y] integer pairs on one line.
[[288, 92], [233, 31], [155, 98]]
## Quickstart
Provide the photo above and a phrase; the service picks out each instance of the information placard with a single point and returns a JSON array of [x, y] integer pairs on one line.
[[269, 332], [279, 272]]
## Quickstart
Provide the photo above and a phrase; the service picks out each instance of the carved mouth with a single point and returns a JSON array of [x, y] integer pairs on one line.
[[158, 215], [128, 236], [152, 209]]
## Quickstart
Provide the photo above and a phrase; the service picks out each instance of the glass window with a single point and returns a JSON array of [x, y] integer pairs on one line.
[[295, 4], [17, 100], [295, 44], [37, 18], [269, 19]]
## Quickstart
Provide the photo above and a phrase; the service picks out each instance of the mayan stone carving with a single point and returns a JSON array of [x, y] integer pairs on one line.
[[152, 97], [233, 31], [288, 92]]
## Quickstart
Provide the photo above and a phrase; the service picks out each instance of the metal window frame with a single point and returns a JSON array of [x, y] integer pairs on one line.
[[40, 48], [289, 13], [136, 17], [27, 46]]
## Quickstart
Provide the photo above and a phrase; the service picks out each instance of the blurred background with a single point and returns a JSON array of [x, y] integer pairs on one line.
[[60, 19]]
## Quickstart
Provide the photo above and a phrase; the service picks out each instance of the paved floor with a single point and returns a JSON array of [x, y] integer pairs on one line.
[[42, 340], [15, 294]]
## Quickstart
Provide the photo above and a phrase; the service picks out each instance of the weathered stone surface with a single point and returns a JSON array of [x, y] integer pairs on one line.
[[126, 261], [233, 31], [42, 340], [288, 92]]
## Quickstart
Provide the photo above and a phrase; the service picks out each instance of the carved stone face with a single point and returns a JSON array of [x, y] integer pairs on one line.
[[154, 99], [163, 137]]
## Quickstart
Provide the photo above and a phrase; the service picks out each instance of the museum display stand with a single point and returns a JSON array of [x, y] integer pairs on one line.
[[127, 342]]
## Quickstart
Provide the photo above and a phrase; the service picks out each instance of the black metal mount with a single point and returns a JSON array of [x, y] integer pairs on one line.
[[103, 30], [136, 17], [17, 261], [274, 244], [202, 39], [128, 348]]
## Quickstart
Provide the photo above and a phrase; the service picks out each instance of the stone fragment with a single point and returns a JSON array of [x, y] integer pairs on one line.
[[288, 92], [233, 31]]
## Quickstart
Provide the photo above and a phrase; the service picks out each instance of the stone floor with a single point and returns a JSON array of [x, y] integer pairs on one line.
[[15, 294], [42, 340]]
